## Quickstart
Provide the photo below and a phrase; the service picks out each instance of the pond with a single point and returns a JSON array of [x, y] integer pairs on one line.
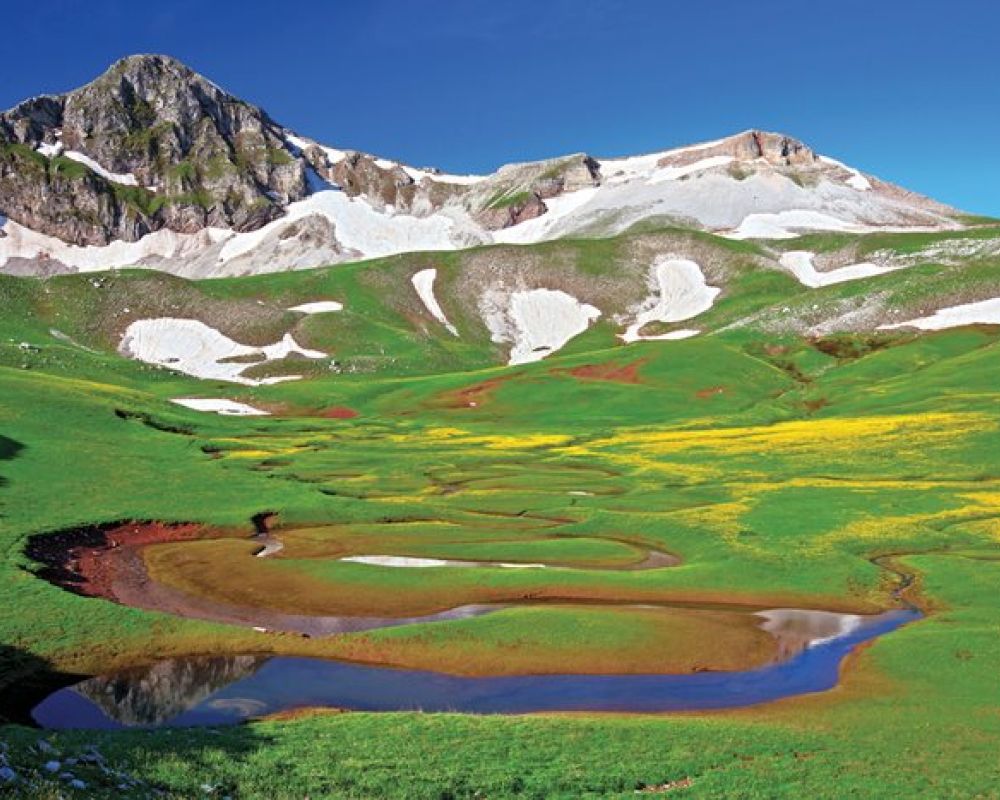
[[226, 690]]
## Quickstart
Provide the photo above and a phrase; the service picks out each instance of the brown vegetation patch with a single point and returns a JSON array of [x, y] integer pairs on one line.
[[472, 396], [338, 412], [627, 373]]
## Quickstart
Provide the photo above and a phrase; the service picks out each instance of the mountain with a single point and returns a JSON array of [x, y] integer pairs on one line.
[[153, 165]]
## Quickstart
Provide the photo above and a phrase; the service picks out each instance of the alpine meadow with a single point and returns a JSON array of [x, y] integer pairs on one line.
[[325, 475]]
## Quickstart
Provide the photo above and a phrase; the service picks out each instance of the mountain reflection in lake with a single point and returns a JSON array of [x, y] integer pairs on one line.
[[149, 696], [219, 691]]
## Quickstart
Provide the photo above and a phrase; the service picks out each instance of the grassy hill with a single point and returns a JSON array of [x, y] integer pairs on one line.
[[782, 455]]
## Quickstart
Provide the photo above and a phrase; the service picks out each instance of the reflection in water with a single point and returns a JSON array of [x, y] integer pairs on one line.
[[152, 695], [215, 691], [795, 629]]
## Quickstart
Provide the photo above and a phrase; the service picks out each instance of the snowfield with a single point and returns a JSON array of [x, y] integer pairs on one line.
[[789, 224], [407, 562], [358, 226], [318, 307], [220, 406], [676, 173], [21, 242], [538, 322], [423, 282], [856, 181], [800, 264], [354, 225], [984, 312], [561, 208], [194, 348], [680, 293]]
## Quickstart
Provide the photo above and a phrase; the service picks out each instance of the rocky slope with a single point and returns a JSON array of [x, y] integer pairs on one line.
[[153, 165], [148, 145]]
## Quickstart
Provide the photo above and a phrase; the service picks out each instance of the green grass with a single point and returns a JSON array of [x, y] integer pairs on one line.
[[507, 198], [775, 465]]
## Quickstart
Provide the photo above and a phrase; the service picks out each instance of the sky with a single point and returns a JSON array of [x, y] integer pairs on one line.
[[908, 90]]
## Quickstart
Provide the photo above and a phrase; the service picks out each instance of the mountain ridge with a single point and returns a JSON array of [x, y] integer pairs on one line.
[[154, 165]]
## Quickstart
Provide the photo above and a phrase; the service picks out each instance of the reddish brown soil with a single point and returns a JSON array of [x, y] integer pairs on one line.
[[79, 560], [472, 396], [627, 373], [711, 391], [338, 412]]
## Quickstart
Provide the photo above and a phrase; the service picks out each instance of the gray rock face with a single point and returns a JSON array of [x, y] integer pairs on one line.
[[198, 155]]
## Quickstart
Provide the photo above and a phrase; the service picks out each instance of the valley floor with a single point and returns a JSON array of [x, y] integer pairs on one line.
[[779, 471]]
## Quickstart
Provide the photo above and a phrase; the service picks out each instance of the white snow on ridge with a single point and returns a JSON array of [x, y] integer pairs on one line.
[[676, 173], [621, 170], [301, 144], [21, 242], [220, 406], [318, 307], [298, 143], [192, 347], [50, 150], [789, 224], [984, 312], [359, 226], [540, 228], [128, 179], [423, 282], [856, 181], [538, 322], [681, 293], [800, 264]]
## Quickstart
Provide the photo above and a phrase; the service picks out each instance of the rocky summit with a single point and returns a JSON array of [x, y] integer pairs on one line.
[[153, 165]]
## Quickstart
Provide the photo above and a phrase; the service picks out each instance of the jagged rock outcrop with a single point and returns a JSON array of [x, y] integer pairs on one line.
[[504, 214], [774, 148], [519, 192], [149, 144], [358, 174]]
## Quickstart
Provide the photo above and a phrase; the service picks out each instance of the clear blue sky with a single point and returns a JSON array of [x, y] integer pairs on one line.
[[906, 89]]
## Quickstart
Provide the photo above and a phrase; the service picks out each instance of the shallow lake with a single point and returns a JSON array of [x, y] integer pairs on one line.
[[219, 691]]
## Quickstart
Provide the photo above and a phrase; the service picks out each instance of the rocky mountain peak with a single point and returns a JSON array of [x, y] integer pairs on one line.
[[149, 144]]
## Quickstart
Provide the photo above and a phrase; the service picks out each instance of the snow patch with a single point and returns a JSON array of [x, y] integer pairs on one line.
[[318, 307], [50, 150], [538, 322], [800, 264], [678, 172], [681, 293], [984, 312], [789, 224], [192, 347], [300, 144], [21, 242], [856, 181], [623, 170], [423, 282], [407, 562], [540, 228], [359, 226], [128, 179], [220, 406]]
